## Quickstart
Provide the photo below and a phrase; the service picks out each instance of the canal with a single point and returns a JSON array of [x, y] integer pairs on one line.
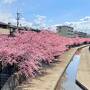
[[68, 80]]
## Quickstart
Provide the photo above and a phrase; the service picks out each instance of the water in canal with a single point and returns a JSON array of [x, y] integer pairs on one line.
[[69, 78]]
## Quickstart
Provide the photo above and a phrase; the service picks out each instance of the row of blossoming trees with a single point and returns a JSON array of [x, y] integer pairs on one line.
[[28, 49]]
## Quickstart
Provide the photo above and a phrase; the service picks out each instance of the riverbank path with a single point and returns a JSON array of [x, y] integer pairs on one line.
[[83, 75]]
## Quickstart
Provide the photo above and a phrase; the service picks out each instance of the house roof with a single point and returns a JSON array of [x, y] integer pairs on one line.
[[2, 23]]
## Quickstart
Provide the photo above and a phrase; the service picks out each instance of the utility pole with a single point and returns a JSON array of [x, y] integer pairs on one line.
[[18, 18]]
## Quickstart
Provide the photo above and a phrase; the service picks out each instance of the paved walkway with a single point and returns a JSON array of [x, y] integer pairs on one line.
[[83, 75]]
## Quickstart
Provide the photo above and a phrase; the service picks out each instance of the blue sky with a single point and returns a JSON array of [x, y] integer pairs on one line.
[[52, 11]]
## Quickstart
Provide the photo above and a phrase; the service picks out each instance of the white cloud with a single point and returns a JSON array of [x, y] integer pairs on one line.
[[6, 17], [52, 28], [8, 1], [24, 22], [87, 18], [40, 21]]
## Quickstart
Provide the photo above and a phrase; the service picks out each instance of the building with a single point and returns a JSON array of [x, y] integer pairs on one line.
[[69, 32], [65, 31], [80, 34], [3, 25], [4, 28]]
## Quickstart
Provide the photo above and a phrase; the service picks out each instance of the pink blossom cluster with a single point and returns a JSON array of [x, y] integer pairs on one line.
[[28, 49]]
